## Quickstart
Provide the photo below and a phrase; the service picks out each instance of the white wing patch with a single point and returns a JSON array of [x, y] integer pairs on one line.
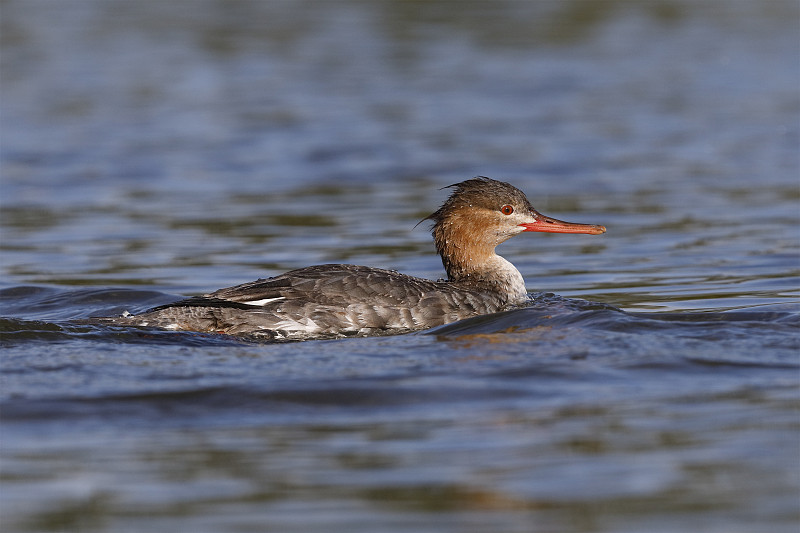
[[265, 301]]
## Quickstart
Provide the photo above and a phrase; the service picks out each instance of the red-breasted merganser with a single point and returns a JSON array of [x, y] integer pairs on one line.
[[343, 300]]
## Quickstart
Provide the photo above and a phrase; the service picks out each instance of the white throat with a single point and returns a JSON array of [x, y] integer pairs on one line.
[[508, 276]]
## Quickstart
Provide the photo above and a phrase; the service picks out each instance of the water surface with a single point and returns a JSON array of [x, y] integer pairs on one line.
[[153, 151]]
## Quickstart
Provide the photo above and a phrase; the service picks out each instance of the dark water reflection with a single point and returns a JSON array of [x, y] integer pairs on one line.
[[158, 149]]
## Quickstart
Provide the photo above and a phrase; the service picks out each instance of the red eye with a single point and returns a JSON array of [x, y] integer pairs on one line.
[[506, 209]]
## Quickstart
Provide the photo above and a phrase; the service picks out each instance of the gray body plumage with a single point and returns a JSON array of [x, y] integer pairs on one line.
[[325, 301]]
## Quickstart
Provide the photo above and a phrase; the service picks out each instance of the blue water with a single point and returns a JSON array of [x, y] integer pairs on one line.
[[154, 150]]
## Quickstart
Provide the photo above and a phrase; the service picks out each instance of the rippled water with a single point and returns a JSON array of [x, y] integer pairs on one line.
[[153, 150]]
